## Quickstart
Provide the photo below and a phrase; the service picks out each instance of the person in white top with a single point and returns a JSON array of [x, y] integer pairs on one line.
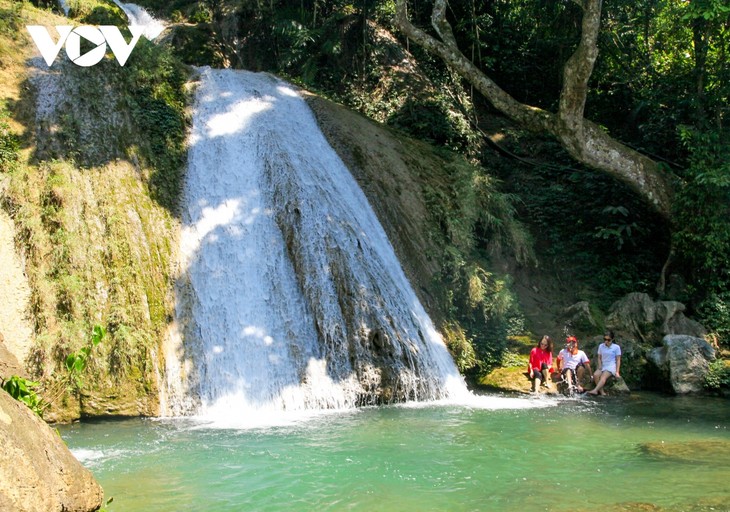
[[573, 363], [609, 362]]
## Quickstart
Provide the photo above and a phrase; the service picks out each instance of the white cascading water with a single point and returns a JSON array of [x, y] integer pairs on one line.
[[291, 296], [139, 16], [63, 4]]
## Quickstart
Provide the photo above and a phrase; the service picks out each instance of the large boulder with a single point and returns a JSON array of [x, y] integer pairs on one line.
[[683, 362], [638, 316], [37, 471], [579, 318]]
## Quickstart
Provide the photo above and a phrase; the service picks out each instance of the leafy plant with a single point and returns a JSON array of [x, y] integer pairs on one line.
[[619, 230], [39, 398], [512, 360], [460, 346], [24, 390], [9, 143], [155, 81], [718, 376], [703, 240]]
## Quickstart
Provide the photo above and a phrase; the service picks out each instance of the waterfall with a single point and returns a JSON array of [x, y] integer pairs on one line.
[[63, 4], [139, 16], [291, 296]]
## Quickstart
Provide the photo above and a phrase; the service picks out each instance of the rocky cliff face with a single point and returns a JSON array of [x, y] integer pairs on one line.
[[111, 243], [92, 244], [37, 471]]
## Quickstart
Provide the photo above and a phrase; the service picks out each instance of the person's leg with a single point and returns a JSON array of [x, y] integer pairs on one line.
[[596, 376], [579, 373], [545, 373], [601, 382], [535, 377], [570, 380], [546, 378]]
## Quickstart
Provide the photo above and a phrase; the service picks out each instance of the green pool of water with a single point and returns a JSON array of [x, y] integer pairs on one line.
[[644, 452]]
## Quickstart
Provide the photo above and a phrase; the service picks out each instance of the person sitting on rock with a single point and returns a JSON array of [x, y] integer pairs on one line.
[[541, 362], [573, 364], [609, 362]]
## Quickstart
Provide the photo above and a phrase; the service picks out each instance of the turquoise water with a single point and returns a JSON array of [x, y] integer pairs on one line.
[[537, 454]]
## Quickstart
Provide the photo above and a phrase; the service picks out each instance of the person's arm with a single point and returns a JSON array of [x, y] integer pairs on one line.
[[618, 365], [599, 363]]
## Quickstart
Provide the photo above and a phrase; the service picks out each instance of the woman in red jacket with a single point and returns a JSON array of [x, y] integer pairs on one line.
[[541, 362]]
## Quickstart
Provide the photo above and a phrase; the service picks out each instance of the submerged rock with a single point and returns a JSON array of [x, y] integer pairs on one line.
[[37, 470], [705, 452]]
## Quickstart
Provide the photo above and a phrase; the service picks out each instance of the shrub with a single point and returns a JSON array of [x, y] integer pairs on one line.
[[9, 143], [718, 376]]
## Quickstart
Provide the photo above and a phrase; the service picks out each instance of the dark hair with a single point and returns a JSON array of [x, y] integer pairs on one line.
[[549, 342], [608, 334]]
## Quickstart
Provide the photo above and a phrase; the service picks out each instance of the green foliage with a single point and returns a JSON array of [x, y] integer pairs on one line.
[[618, 231], [434, 121], [714, 311], [155, 83], [707, 10], [718, 376], [100, 14], [471, 214], [512, 360], [70, 379], [40, 397], [702, 213], [76, 361], [460, 346], [24, 391], [521, 43], [594, 233], [201, 13], [662, 64], [11, 25], [9, 143]]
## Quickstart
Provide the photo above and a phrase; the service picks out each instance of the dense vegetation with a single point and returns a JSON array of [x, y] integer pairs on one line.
[[661, 85], [92, 187]]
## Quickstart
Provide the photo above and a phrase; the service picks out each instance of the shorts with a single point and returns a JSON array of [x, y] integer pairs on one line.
[[612, 377], [573, 372], [537, 374]]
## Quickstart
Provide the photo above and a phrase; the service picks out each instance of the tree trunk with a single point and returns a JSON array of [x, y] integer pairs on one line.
[[585, 141]]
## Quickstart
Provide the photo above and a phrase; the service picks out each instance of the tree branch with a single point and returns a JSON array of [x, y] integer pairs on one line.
[[579, 67], [533, 118], [584, 140]]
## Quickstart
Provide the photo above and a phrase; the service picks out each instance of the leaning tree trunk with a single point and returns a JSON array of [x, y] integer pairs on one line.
[[585, 141]]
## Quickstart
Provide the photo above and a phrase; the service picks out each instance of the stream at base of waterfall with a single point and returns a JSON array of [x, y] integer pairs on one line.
[[645, 452]]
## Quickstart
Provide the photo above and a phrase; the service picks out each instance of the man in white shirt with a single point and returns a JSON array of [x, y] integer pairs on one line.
[[573, 363], [609, 362]]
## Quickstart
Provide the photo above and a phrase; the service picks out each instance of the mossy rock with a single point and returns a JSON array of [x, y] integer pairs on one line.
[[521, 344], [512, 379], [704, 452]]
